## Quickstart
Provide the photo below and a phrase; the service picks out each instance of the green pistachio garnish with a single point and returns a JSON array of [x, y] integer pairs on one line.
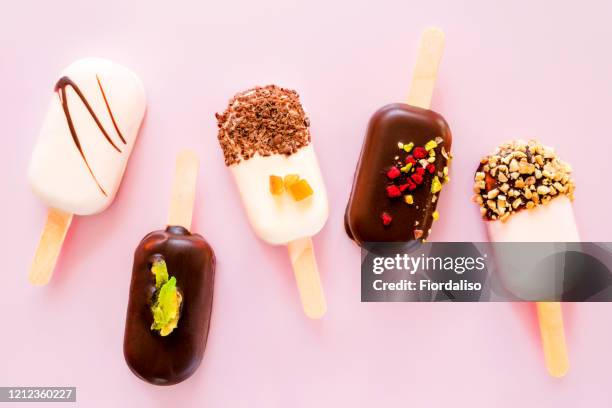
[[406, 168], [430, 145], [167, 300], [446, 177], [436, 186], [160, 270], [408, 147]]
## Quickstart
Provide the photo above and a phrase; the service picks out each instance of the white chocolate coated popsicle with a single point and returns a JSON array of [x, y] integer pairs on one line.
[[553, 222], [82, 150], [265, 137], [87, 136], [525, 193], [279, 219]]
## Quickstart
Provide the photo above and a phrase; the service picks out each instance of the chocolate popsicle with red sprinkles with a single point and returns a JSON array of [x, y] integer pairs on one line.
[[403, 165], [404, 162]]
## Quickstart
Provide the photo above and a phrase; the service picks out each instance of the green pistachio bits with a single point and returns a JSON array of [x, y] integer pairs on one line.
[[160, 270], [166, 308]]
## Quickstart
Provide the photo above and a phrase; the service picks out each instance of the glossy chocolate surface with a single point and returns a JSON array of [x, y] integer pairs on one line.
[[389, 126], [170, 359]]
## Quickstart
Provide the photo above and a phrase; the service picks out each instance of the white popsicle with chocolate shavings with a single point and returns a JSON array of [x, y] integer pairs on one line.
[[265, 136]]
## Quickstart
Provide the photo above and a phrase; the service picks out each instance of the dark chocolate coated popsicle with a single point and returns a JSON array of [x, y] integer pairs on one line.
[[403, 164], [171, 293], [404, 161], [169, 359]]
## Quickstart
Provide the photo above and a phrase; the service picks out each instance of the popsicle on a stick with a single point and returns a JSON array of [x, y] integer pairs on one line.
[[171, 292], [86, 139], [265, 137], [404, 161], [525, 194]]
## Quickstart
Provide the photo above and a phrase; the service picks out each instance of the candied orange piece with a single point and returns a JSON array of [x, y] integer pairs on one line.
[[276, 185], [291, 179], [300, 190]]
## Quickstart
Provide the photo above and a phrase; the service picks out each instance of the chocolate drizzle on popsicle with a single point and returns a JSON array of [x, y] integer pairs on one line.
[[60, 88]]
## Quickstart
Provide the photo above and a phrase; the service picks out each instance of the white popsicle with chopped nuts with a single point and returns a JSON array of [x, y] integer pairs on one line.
[[525, 194]]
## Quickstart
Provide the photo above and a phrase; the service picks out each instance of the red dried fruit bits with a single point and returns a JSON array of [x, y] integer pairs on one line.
[[419, 152], [431, 168], [417, 178], [386, 218], [393, 172], [393, 191], [410, 159], [403, 187], [420, 171]]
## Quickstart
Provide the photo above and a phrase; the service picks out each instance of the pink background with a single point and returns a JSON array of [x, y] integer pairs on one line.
[[517, 70]]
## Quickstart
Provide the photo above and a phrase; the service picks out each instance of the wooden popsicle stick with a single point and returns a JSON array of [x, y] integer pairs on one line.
[[426, 69], [183, 189], [301, 252], [550, 317], [49, 247]]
